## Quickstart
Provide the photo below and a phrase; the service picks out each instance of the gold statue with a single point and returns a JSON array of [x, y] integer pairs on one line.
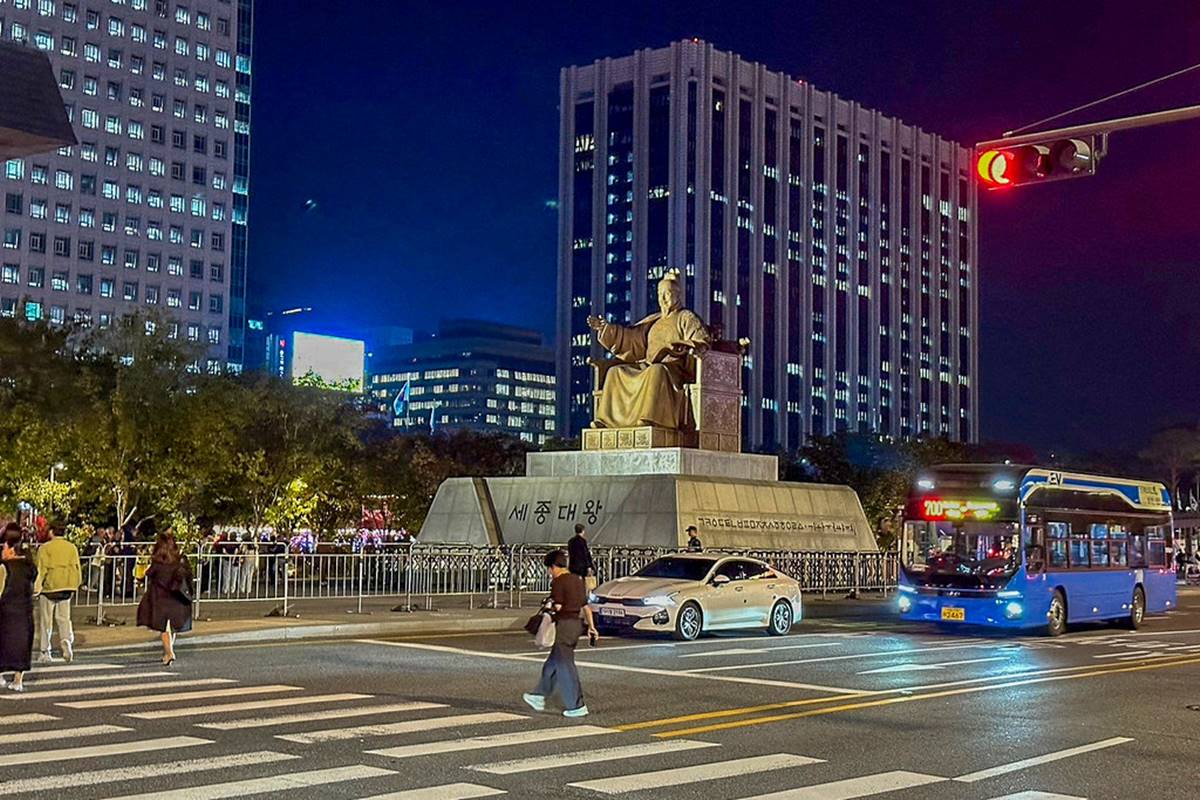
[[648, 388]]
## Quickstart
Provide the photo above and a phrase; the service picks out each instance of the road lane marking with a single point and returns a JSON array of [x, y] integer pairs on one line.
[[1122, 653], [824, 659], [693, 674], [939, 665], [313, 716], [749, 651], [851, 788], [25, 719], [735, 712], [449, 791], [393, 728], [1016, 766], [39, 669], [253, 705], [99, 751], [35, 683], [560, 760], [495, 740], [922, 696], [116, 688], [1038, 796], [153, 699], [276, 783], [79, 779], [698, 773], [61, 733]]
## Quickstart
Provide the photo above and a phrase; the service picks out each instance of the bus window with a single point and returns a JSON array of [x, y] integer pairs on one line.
[[1137, 550], [1058, 533], [1035, 550], [1099, 532], [1156, 545], [1118, 552], [1080, 545]]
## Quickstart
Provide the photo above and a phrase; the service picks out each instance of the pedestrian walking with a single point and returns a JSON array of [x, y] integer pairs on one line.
[[694, 544], [166, 606], [249, 571], [59, 577], [568, 605], [16, 608], [580, 557]]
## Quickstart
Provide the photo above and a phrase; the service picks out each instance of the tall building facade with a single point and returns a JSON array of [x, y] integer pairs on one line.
[[840, 241], [150, 209], [471, 374]]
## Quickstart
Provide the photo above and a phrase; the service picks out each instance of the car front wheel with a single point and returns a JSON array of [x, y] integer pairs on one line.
[[781, 619], [689, 622]]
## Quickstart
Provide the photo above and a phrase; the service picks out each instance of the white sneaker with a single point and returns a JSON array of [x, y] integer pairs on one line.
[[14, 687], [535, 701], [68, 652], [576, 712]]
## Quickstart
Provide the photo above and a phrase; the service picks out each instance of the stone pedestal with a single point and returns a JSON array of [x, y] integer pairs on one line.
[[680, 461]]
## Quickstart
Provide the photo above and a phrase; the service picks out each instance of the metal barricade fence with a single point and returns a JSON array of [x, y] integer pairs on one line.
[[486, 575]]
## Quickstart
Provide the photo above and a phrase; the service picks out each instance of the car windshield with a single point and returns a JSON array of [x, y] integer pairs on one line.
[[684, 569]]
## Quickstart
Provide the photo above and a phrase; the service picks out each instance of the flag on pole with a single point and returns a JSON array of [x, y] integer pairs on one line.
[[400, 404]]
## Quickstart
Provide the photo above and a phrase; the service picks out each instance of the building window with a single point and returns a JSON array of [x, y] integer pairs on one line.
[[37, 277], [130, 291]]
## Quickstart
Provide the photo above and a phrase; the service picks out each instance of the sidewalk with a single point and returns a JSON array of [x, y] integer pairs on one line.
[[235, 622]]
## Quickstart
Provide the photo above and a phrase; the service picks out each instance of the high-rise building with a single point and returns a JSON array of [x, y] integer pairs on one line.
[[474, 375], [840, 241], [149, 209]]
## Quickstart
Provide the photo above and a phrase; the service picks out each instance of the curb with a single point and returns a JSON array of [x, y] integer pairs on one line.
[[334, 631]]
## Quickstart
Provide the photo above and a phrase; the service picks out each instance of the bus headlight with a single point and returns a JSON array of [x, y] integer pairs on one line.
[[1014, 610], [904, 603]]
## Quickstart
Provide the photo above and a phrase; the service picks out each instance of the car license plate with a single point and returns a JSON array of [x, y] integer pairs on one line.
[[605, 611], [954, 614]]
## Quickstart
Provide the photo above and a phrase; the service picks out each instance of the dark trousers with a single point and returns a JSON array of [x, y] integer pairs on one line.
[[559, 670]]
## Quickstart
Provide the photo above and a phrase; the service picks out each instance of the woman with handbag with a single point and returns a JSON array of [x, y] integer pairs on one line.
[[569, 609], [17, 576], [166, 606]]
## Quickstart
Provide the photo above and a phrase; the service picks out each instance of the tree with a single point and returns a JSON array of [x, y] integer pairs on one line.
[[1173, 452]]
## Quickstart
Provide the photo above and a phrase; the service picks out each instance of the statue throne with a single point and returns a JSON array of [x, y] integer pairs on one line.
[[713, 385]]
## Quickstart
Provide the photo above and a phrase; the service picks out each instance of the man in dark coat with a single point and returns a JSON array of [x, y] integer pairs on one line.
[[580, 556]]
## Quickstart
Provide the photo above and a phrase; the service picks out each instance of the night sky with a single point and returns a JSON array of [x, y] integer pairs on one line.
[[426, 134]]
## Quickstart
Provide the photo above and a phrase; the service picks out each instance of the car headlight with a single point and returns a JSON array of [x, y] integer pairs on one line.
[[593, 597], [659, 600]]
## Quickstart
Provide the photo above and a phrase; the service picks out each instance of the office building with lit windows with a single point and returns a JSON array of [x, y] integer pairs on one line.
[[840, 241], [475, 375], [149, 209]]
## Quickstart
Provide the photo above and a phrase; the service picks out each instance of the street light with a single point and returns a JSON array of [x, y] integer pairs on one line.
[[56, 468]]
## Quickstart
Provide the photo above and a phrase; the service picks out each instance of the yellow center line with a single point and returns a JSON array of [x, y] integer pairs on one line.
[[911, 698], [736, 712]]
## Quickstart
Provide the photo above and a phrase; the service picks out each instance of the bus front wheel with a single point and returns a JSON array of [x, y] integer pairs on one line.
[[1056, 617], [1137, 610]]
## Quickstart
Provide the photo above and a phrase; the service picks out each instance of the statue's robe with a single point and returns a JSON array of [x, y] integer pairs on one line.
[[649, 388]]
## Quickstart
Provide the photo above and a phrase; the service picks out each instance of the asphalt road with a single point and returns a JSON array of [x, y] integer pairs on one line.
[[833, 711]]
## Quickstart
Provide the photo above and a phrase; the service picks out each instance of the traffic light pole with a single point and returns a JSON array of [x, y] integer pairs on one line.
[[1096, 128]]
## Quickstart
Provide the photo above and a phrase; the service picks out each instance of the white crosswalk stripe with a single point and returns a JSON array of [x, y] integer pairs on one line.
[[34, 683], [102, 750], [851, 788], [698, 773], [116, 687], [493, 741], [77, 779], [253, 705], [25, 719], [448, 791], [1038, 796], [154, 699], [83, 667], [61, 733], [393, 728], [277, 783], [338, 713], [590, 757]]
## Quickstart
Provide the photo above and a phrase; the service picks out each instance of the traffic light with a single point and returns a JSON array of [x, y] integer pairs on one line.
[[999, 166]]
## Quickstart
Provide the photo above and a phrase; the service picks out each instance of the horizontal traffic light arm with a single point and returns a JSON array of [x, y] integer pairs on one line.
[[1095, 128]]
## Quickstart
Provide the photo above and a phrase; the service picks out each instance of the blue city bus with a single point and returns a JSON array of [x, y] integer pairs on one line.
[[1024, 547]]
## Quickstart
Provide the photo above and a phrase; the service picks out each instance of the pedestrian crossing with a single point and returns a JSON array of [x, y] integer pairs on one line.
[[121, 733]]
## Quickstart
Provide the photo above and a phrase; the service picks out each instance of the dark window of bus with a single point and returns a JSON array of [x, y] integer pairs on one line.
[[1099, 533], [1080, 544], [1058, 535]]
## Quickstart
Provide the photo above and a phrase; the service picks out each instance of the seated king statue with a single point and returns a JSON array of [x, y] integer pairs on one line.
[[648, 388]]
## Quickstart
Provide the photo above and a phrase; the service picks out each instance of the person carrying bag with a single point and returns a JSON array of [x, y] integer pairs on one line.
[[166, 606], [570, 612]]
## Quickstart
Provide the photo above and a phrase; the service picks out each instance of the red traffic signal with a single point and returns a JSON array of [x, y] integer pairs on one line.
[[1032, 163]]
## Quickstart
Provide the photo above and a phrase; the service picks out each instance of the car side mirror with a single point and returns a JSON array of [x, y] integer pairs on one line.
[[720, 580]]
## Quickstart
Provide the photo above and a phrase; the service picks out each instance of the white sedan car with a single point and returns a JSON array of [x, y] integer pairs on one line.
[[689, 593]]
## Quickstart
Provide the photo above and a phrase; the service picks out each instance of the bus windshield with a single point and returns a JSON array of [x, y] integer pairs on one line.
[[962, 553]]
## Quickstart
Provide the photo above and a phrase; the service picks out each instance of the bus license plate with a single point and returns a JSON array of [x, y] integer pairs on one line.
[[954, 614], [611, 612]]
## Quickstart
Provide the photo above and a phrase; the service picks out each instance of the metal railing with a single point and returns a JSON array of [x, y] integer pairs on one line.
[[415, 575]]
